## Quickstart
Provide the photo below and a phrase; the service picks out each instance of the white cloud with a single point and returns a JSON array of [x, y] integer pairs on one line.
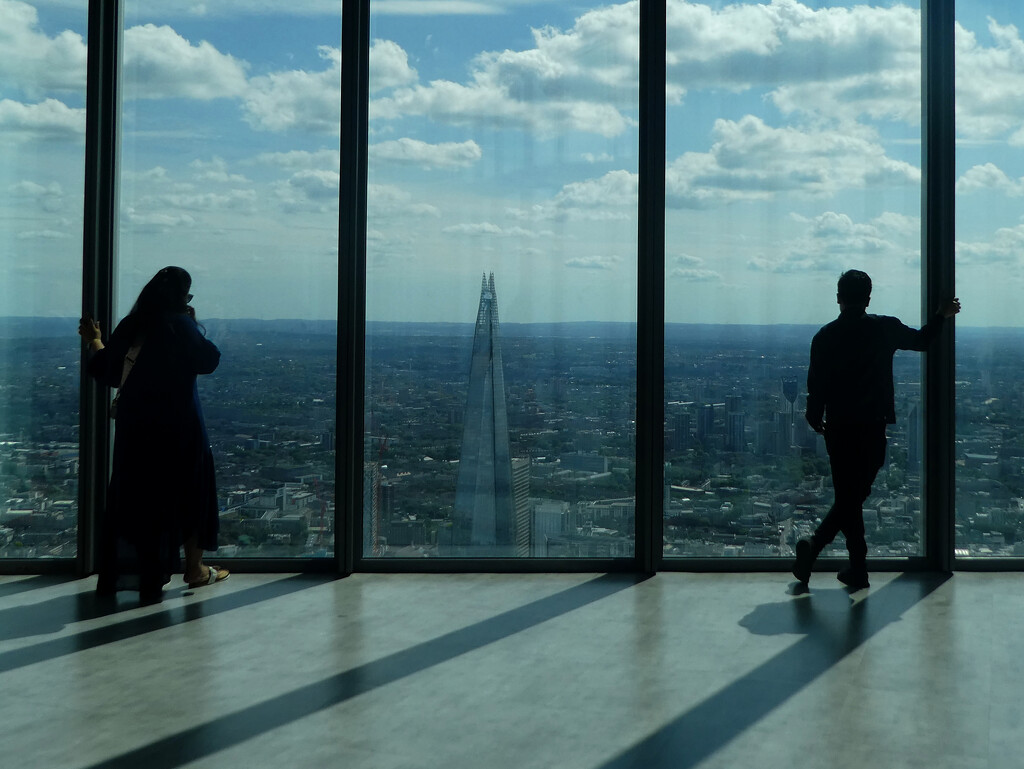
[[687, 260], [49, 197], [232, 200], [317, 184], [32, 61], [480, 228], [691, 269], [215, 170], [234, 9], [611, 197], [311, 101], [831, 239], [490, 229], [49, 119], [389, 65], [989, 177], [412, 152], [154, 222], [593, 262], [435, 8], [43, 235], [1006, 246], [989, 88], [296, 99], [582, 79], [590, 157], [309, 188], [161, 64], [751, 160], [298, 160], [154, 174], [692, 275], [832, 62], [615, 188], [387, 200]]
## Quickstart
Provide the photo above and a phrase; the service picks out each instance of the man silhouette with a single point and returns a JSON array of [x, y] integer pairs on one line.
[[850, 400]]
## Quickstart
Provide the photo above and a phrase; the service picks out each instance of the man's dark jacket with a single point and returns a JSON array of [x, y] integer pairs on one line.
[[849, 380]]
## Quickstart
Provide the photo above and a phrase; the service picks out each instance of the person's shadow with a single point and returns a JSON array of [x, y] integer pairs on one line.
[[53, 615], [832, 619], [832, 622]]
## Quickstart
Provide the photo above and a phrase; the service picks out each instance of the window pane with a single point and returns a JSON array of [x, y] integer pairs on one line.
[[230, 169], [42, 142], [793, 155], [990, 343], [502, 185]]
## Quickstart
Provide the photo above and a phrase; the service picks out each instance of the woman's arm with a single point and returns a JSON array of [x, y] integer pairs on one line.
[[98, 365], [202, 354]]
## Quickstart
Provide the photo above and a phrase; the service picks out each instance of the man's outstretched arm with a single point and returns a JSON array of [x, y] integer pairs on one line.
[[949, 308], [912, 339]]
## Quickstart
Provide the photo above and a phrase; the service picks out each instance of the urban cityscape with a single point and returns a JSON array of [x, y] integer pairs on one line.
[[744, 475]]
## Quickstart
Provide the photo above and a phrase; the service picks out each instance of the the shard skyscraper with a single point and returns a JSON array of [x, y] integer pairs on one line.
[[484, 522]]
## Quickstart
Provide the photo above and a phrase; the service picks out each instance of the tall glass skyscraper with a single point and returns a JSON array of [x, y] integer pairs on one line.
[[484, 506]]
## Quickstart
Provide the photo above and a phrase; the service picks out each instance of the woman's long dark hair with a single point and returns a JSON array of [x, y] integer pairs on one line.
[[165, 294]]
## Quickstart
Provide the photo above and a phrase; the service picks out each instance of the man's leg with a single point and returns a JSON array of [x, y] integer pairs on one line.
[[846, 457], [870, 456], [807, 549], [843, 460]]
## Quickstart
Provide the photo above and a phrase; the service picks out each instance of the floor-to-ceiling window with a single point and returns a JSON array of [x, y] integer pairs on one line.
[[990, 278], [793, 154], [501, 265], [229, 168], [42, 141], [501, 280]]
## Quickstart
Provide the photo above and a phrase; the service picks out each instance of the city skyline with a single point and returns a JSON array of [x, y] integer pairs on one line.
[[571, 420]]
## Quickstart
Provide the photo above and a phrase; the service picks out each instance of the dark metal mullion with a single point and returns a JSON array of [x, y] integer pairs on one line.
[[650, 326], [938, 200], [99, 251], [355, 46]]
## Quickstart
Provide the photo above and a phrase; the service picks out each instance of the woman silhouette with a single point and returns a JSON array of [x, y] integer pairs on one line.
[[162, 492]]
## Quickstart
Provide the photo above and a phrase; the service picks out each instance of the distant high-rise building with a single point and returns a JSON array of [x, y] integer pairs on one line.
[[914, 438], [371, 508], [733, 404], [705, 421], [386, 509], [521, 505], [484, 522], [784, 432], [764, 441], [681, 431], [735, 429]]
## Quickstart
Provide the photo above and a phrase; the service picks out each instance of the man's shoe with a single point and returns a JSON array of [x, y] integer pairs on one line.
[[855, 578], [804, 560]]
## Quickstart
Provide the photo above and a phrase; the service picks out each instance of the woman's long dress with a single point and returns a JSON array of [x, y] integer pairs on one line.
[[162, 489]]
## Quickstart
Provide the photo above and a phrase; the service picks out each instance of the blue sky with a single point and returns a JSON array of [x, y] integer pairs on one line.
[[504, 139]]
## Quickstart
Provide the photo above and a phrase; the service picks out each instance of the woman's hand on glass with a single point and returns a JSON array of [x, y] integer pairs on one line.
[[88, 329]]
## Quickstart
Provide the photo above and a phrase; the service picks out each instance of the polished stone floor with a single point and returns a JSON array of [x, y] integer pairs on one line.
[[511, 671]]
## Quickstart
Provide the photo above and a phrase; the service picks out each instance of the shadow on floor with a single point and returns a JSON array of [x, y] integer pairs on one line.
[[222, 733], [16, 586], [51, 617], [833, 623]]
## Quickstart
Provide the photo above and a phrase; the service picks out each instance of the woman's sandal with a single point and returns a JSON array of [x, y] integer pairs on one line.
[[214, 574]]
